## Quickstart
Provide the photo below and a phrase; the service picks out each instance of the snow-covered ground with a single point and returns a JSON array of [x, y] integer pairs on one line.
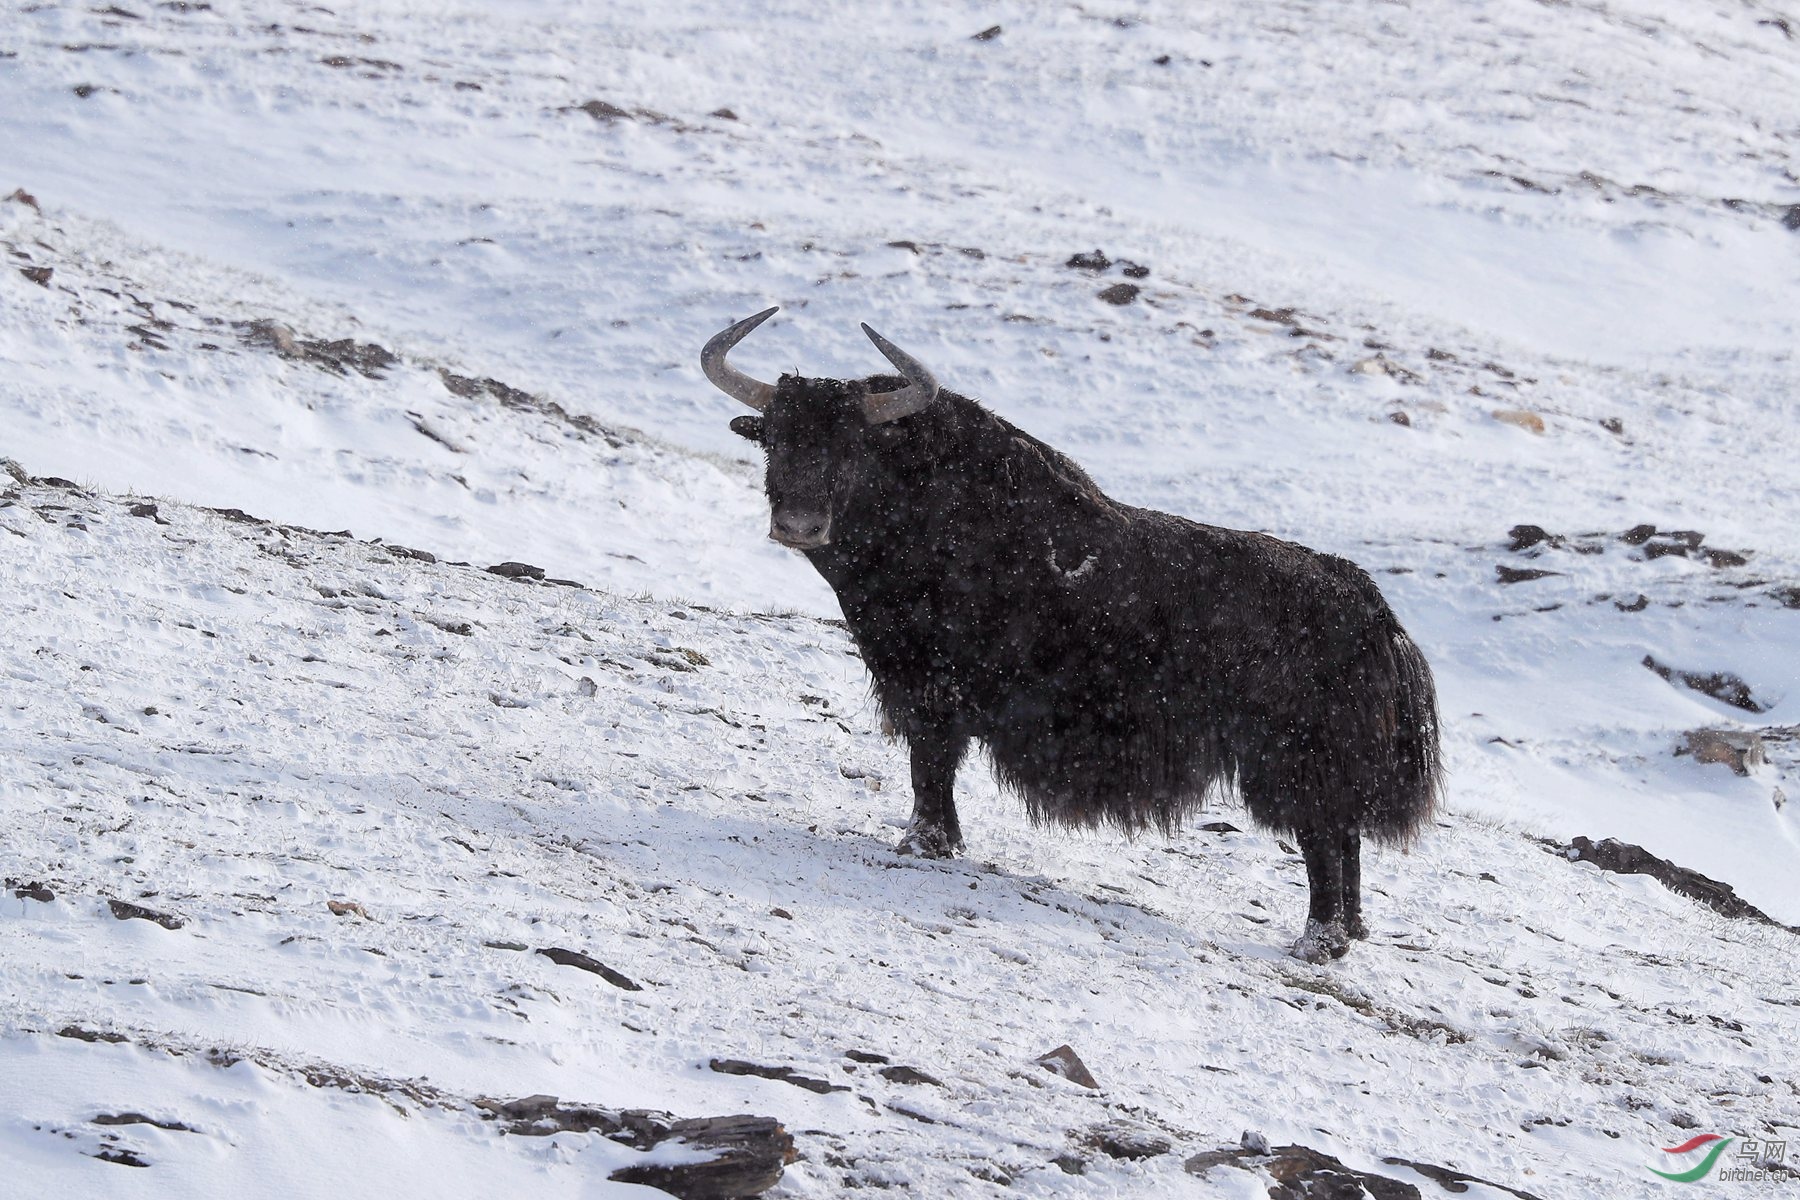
[[438, 276]]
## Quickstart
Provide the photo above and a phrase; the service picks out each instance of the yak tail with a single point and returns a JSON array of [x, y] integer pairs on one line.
[[1414, 787]]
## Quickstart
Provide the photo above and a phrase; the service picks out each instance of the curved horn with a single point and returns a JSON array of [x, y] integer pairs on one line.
[[729, 379], [920, 390]]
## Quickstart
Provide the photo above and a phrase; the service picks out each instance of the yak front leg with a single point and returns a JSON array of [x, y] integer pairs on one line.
[[934, 831], [1326, 936]]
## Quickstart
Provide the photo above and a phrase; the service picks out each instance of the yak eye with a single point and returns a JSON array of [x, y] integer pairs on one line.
[[748, 427]]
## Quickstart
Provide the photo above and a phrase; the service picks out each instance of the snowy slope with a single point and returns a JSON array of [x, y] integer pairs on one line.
[[235, 725], [437, 276]]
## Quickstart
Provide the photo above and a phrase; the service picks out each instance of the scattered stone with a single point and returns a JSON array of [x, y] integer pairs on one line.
[[124, 910], [1613, 425], [748, 1156], [1124, 1139], [1720, 685], [724, 114], [21, 196], [744, 1155], [143, 510], [138, 1118], [986, 35], [737, 1066], [516, 570], [1725, 558], [339, 357], [1094, 260], [1254, 1140], [1301, 1173], [600, 110], [909, 1075], [124, 1156], [1791, 218], [1120, 293], [1453, 1181], [345, 908], [1639, 605], [31, 891], [1740, 749], [575, 958], [513, 946], [1400, 418], [1133, 270], [783, 913], [1220, 827], [1524, 537], [1520, 418], [1071, 1164], [1506, 574], [1626, 859], [1065, 1062], [38, 275]]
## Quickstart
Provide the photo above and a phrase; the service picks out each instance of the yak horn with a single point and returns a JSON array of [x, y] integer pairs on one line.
[[920, 390], [729, 379]]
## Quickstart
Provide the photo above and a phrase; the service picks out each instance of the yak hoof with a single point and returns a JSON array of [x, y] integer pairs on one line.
[[928, 841], [1322, 942], [1356, 928]]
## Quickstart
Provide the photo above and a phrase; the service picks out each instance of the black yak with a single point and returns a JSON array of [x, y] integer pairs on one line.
[[1117, 663]]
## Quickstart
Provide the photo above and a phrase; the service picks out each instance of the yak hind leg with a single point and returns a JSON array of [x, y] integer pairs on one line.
[[1352, 884], [1327, 935], [934, 831]]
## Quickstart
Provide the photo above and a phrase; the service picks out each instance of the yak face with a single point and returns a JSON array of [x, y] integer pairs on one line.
[[822, 453], [822, 436]]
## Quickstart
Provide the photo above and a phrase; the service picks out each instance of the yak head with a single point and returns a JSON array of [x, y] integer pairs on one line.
[[825, 439]]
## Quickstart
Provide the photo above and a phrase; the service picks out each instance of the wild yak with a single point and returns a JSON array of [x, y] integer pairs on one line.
[[1117, 663]]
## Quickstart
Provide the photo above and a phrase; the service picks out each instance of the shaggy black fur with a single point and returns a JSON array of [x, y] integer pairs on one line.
[[1117, 663]]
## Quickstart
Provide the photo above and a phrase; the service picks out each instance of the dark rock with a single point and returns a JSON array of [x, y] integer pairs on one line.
[[124, 910], [986, 35], [1506, 574], [600, 110], [21, 196], [32, 891], [737, 1066], [575, 958], [57, 481], [1400, 418], [1613, 425], [1123, 1139], [1725, 558], [1071, 1164], [745, 1155], [1301, 1173], [1220, 827], [516, 570], [1788, 597], [137, 1118], [38, 275], [1740, 749], [1526, 536], [1065, 1062], [90, 1035], [1637, 535], [122, 1155], [1133, 270], [1120, 293], [1720, 685], [1454, 1181], [909, 1075], [748, 1156], [1791, 218], [143, 510], [1638, 605], [1095, 260], [724, 114], [865, 1056], [1625, 859]]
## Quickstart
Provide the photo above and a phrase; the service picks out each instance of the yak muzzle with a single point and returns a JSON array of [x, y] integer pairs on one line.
[[800, 530]]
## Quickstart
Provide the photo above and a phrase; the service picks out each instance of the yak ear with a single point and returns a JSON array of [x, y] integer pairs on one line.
[[748, 427]]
